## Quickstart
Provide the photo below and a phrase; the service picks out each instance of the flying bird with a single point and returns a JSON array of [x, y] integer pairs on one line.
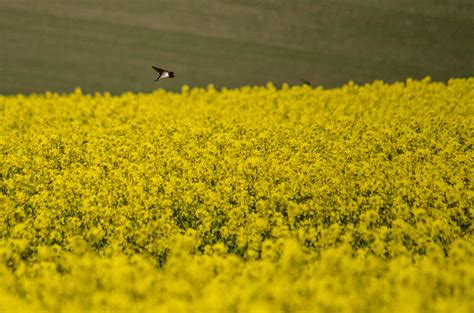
[[305, 82], [162, 74]]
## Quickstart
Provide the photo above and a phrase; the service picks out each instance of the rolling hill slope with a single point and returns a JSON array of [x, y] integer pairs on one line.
[[110, 46]]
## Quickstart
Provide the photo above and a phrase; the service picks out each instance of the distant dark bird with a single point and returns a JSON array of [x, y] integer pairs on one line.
[[163, 73], [305, 82]]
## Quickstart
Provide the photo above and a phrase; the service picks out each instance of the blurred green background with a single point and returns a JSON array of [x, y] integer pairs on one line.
[[110, 45]]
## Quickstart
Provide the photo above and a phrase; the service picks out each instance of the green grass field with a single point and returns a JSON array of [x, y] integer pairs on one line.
[[110, 45]]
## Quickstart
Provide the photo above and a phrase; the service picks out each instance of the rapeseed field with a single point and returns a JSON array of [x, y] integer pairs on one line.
[[258, 199]]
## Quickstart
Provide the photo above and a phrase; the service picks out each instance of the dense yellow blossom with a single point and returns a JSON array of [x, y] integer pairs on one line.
[[354, 199]]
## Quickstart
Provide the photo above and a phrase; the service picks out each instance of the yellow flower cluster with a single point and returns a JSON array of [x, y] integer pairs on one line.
[[258, 199]]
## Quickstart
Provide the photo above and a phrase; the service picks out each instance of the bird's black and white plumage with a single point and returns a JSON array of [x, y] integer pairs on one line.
[[162, 74]]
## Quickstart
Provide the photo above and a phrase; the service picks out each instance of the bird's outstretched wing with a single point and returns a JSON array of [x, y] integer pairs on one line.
[[159, 70]]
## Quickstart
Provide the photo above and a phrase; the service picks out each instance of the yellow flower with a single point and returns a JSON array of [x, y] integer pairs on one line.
[[257, 199]]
